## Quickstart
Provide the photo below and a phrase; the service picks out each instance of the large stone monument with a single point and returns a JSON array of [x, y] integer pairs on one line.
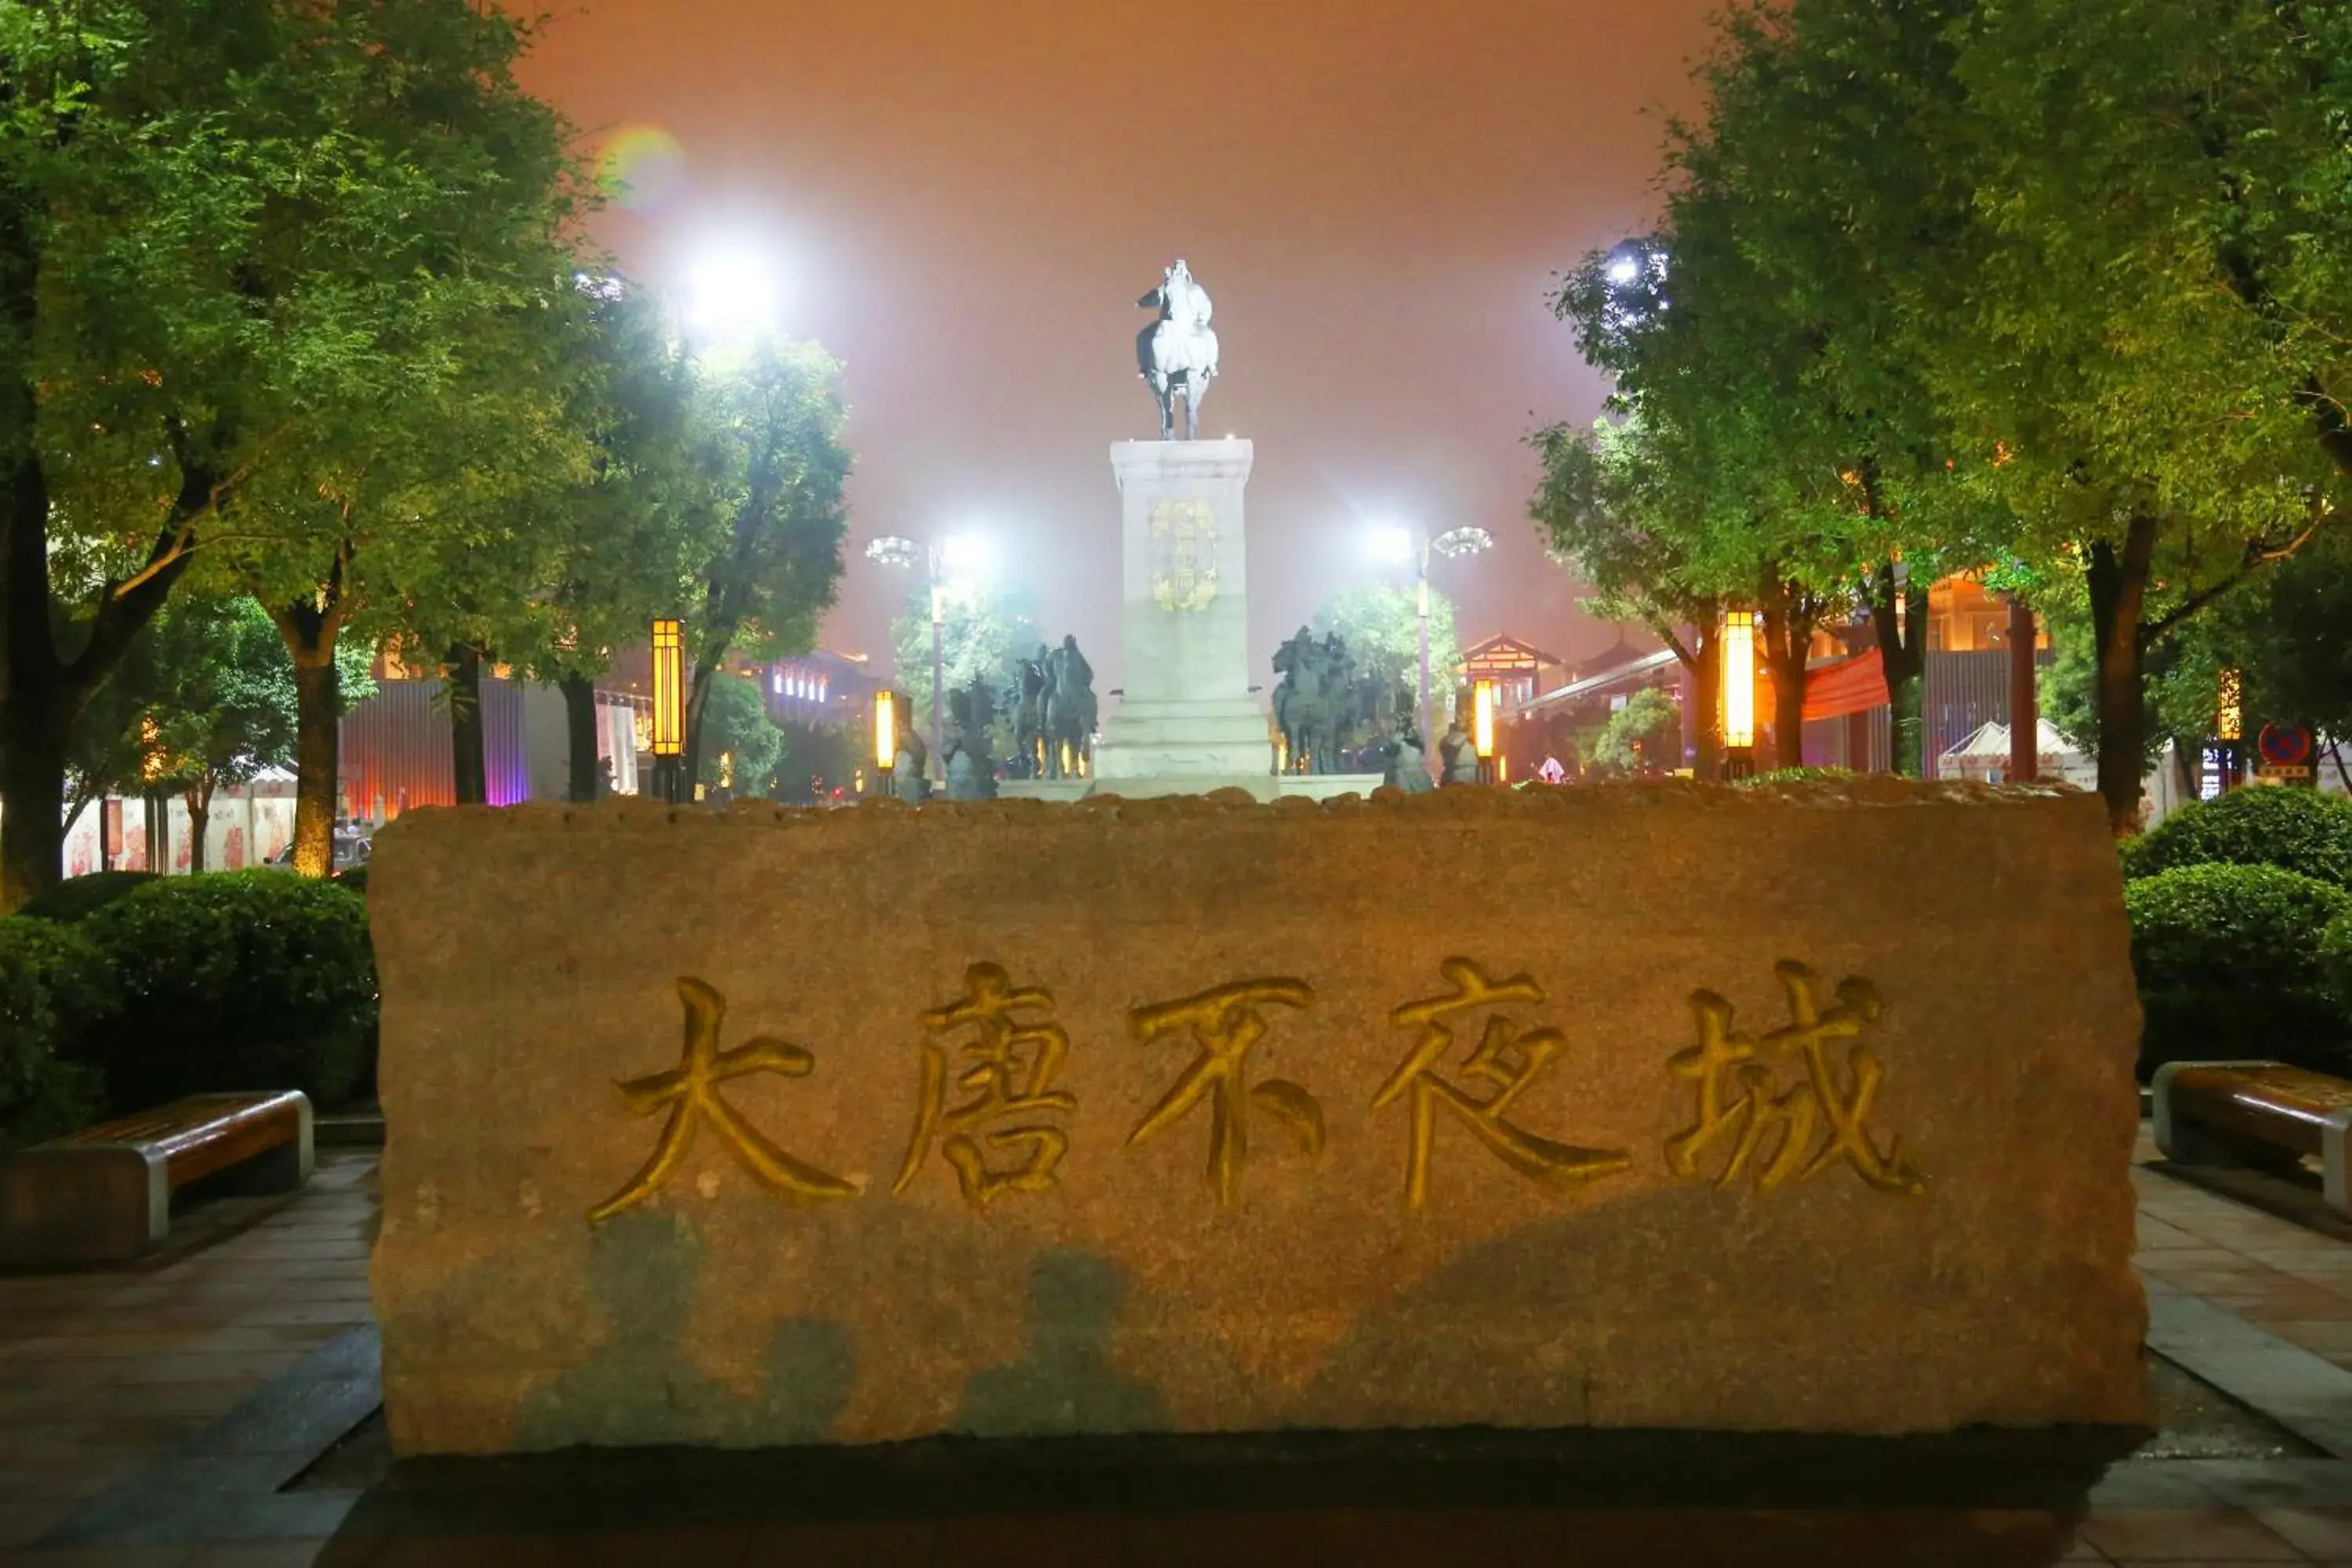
[[1188, 721], [762, 1126]]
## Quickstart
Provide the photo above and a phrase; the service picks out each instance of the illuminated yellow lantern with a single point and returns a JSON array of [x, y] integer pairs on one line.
[[1738, 692], [2230, 716], [886, 730], [1482, 719], [669, 688]]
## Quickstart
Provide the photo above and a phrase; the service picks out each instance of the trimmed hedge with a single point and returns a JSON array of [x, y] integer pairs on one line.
[[56, 988], [1793, 776], [2263, 825], [2335, 962], [2228, 959], [79, 897], [235, 981]]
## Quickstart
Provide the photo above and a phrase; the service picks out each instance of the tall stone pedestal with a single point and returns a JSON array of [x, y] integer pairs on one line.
[[1186, 716]]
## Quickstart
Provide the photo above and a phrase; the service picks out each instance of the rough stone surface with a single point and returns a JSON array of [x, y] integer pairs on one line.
[[532, 957]]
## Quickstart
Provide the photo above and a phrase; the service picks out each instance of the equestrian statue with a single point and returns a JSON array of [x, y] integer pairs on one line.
[[1069, 711], [1177, 354], [1314, 699]]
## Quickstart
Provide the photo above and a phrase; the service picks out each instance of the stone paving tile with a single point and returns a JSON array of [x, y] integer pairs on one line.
[[256, 1299]]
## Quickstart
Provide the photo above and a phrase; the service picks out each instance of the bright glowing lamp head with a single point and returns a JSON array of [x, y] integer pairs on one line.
[[886, 729], [1395, 544], [1739, 679], [1482, 719], [669, 688], [1456, 542], [731, 295], [964, 555], [892, 550], [1623, 270]]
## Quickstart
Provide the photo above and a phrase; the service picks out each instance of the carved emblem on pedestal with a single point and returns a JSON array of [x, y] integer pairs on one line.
[[1184, 555]]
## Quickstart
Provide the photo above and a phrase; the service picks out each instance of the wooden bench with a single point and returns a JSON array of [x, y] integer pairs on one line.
[[105, 1192], [2255, 1113]]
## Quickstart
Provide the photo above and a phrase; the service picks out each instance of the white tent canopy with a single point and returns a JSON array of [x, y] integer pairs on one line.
[[1989, 746]]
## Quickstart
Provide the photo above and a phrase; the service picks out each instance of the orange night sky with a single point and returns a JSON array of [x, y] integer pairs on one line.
[[963, 201]]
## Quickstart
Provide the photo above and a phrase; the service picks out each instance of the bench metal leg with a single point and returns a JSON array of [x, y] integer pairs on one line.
[[2180, 1139], [96, 1203], [2332, 1151]]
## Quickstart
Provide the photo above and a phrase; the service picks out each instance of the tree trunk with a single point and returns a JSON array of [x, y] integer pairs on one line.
[[1903, 657], [1788, 635], [1707, 713], [579, 731], [32, 788], [310, 635], [697, 697], [2117, 580], [2025, 706], [198, 798], [466, 739]]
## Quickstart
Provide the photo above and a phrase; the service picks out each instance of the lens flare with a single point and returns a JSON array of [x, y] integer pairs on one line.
[[642, 167]]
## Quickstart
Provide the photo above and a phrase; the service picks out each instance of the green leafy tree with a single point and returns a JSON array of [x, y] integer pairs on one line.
[[2146, 315], [818, 759], [985, 634], [1645, 736], [744, 744], [235, 235], [1381, 625], [223, 703], [772, 411], [1604, 510]]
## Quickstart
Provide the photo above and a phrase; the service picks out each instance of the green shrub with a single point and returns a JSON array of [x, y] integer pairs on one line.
[[2228, 959], [79, 897], [2335, 962], [56, 991], [235, 981], [2264, 825], [1794, 775]]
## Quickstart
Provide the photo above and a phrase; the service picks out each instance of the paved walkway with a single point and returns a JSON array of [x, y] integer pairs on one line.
[[124, 1386]]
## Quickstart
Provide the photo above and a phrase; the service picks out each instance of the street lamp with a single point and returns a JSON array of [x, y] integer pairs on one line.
[[1739, 694], [955, 555], [1404, 543], [730, 294], [669, 706]]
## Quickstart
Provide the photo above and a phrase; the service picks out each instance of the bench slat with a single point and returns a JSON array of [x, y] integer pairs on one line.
[[2289, 1107], [203, 1133]]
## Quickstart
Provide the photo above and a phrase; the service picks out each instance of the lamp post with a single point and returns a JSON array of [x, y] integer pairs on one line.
[[938, 561], [1738, 694], [1453, 544], [669, 707]]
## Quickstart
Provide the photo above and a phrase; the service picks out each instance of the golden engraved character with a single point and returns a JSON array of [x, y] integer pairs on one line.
[[1723, 1056], [1504, 1057], [1013, 1071], [1225, 1023], [690, 1090]]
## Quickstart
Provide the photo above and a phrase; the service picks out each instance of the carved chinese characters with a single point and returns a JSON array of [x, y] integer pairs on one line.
[[1735, 1090], [1011, 1079], [1225, 1023], [991, 1104], [690, 1091], [1504, 1058]]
